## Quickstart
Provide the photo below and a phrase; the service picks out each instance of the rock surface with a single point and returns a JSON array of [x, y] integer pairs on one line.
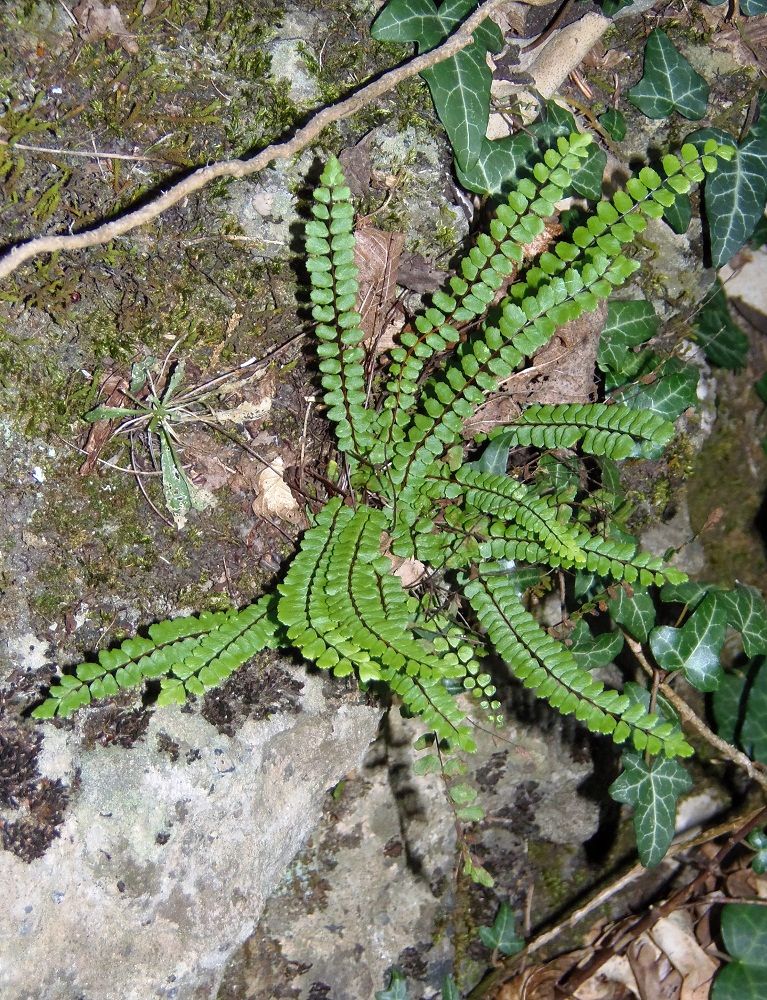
[[169, 849]]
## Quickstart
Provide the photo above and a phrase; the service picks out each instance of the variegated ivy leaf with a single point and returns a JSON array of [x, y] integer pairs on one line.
[[501, 162], [723, 342], [744, 930], [460, 86], [735, 195], [679, 214], [503, 934], [694, 648], [590, 651], [740, 710], [636, 613], [747, 612], [653, 790], [630, 322], [671, 391], [614, 122], [669, 82]]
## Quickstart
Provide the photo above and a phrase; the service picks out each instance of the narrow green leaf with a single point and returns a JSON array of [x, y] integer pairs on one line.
[[397, 988]]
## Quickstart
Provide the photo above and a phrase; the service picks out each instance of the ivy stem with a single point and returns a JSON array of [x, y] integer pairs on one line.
[[753, 769]]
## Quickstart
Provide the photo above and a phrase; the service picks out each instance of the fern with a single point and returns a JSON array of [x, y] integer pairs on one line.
[[414, 494]]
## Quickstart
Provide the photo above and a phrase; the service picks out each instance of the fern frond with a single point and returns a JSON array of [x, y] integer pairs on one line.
[[617, 432], [548, 667], [496, 256], [566, 284], [344, 608], [622, 560], [508, 499], [494, 352], [191, 655], [330, 249]]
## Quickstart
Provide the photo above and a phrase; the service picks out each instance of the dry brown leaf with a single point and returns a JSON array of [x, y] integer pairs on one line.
[[675, 936], [97, 21], [417, 274], [358, 167], [496, 412], [655, 977], [274, 494], [112, 393], [614, 981], [746, 42], [376, 255], [563, 370], [409, 571]]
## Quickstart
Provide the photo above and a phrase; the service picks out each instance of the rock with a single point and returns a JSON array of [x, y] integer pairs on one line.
[[168, 850], [746, 286], [376, 885]]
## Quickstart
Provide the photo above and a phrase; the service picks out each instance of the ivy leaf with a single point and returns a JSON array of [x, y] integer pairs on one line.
[[636, 613], [747, 612], [757, 840], [679, 214], [753, 7], [744, 930], [690, 592], [723, 342], [726, 704], [397, 988], [694, 648], [460, 86], [630, 322], [460, 89], [588, 180], [502, 935], [672, 392], [555, 121], [653, 790], [499, 164], [734, 196], [740, 710], [669, 82], [614, 123], [753, 733], [449, 989], [591, 652]]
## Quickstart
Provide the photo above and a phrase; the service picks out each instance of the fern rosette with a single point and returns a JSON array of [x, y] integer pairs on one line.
[[415, 494]]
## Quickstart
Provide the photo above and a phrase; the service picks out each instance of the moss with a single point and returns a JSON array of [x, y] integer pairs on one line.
[[730, 475]]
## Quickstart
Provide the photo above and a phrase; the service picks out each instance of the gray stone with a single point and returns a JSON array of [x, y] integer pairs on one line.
[[376, 886], [162, 866]]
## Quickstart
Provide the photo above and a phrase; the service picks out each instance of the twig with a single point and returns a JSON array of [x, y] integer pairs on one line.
[[684, 893], [743, 822], [107, 231], [694, 721], [86, 153]]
